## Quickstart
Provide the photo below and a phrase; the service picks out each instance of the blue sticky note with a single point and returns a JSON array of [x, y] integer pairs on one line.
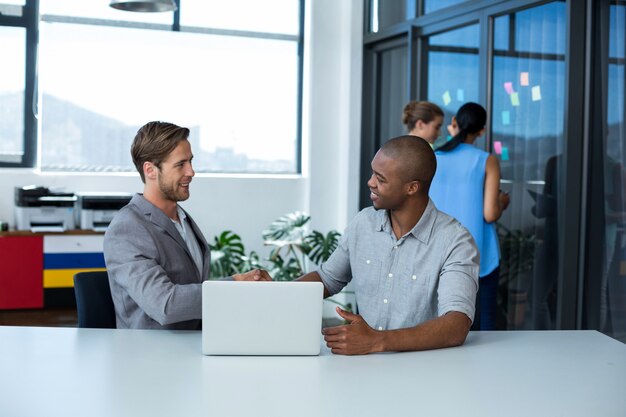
[[505, 153], [506, 117], [460, 95]]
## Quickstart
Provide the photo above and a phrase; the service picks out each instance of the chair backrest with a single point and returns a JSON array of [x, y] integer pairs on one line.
[[93, 300]]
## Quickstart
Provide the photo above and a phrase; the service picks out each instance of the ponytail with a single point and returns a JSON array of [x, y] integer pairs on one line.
[[454, 142], [471, 118]]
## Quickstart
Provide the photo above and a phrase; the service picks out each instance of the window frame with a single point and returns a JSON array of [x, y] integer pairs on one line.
[[26, 17]]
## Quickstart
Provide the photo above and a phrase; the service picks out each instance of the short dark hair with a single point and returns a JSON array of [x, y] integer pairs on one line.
[[154, 142], [415, 157]]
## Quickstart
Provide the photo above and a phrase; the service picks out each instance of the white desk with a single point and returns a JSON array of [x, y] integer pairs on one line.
[[116, 373]]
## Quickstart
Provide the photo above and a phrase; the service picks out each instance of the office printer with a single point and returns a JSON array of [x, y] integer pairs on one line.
[[41, 209], [96, 210]]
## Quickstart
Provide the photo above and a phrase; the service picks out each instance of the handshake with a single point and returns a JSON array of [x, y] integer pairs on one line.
[[254, 275]]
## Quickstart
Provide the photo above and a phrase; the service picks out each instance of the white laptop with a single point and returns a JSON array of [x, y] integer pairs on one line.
[[261, 318]]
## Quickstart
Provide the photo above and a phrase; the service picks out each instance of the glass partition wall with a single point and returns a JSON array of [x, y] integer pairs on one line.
[[551, 75], [604, 296], [452, 71], [527, 119]]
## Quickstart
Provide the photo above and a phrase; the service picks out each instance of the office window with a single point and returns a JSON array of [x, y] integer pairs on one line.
[[610, 306], [393, 87], [385, 13], [434, 5], [12, 87], [453, 71], [237, 86], [527, 125], [99, 10], [242, 15]]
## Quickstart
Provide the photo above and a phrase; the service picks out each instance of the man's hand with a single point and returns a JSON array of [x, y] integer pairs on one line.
[[355, 338], [254, 275]]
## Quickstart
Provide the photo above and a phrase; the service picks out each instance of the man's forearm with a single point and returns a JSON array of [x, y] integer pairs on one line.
[[445, 331]]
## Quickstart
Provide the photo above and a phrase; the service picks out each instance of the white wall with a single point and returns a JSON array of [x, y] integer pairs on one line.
[[335, 68], [328, 188]]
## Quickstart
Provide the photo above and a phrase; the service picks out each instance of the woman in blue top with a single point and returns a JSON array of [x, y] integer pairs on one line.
[[467, 187]]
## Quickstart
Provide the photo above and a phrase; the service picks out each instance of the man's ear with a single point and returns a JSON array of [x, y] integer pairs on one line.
[[149, 170], [414, 187]]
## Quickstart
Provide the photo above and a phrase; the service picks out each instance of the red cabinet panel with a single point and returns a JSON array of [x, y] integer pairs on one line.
[[21, 272]]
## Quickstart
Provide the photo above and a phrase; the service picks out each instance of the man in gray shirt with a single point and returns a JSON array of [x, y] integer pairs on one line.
[[156, 255], [415, 269]]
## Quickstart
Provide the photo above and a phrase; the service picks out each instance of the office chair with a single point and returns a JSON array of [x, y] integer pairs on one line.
[[93, 300]]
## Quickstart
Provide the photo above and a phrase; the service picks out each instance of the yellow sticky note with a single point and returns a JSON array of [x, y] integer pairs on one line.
[[536, 93], [523, 79], [514, 99], [446, 98]]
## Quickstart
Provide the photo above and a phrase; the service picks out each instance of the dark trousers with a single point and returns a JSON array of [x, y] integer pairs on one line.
[[486, 302]]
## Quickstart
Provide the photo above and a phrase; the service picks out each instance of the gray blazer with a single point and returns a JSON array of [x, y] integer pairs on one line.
[[155, 283]]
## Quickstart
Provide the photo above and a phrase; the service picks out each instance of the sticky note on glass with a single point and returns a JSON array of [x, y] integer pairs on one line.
[[508, 86], [523, 79], [446, 98], [536, 93], [506, 117], [460, 95], [497, 146], [514, 99], [505, 153]]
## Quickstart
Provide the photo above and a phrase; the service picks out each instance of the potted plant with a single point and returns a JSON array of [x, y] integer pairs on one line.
[[294, 249]]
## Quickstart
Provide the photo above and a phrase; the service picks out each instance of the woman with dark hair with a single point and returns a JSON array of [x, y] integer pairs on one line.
[[467, 187], [423, 119]]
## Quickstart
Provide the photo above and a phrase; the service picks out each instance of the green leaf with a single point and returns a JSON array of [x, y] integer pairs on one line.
[[289, 228], [227, 253], [320, 247]]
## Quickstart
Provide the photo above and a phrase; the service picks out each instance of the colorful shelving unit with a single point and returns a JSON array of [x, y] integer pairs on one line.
[[38, 268], [64, 256]]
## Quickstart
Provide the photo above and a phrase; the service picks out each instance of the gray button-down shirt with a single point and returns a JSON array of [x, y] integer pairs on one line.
[[400, 283]]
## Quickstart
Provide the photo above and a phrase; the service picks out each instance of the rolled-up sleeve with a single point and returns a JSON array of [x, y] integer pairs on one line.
[[336, 272], [458, 280]]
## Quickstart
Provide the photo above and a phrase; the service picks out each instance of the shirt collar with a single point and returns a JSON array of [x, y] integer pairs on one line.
[[182, 216], [421, 231]]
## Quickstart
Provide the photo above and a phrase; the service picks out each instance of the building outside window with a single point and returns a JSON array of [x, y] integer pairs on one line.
[[230, 71]]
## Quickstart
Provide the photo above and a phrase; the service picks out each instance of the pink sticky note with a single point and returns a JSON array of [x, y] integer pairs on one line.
[[523, 79], [508, 86], [497, 146]]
